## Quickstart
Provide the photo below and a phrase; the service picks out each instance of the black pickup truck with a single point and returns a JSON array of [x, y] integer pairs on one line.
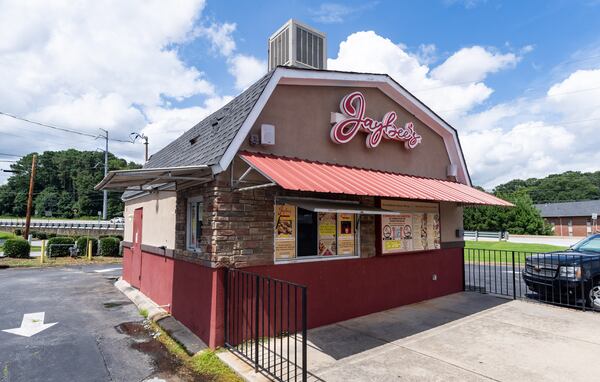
[[570, 277]]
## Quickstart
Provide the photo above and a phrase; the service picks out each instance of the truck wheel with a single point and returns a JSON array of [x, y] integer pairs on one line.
[[594, 297]]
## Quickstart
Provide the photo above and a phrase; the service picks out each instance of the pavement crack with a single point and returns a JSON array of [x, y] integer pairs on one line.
[[103, 358]]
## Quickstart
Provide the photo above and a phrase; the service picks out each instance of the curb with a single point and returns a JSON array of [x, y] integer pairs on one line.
[[140, 300], [175, 329]]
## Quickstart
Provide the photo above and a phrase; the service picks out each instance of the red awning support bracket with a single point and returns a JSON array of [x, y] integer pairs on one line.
[[248, 184]]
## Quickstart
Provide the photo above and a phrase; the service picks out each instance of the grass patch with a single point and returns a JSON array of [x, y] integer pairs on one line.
[[144, 313], [517, 247], [6, 235], [501, 251], [206, 363], [57, 261]]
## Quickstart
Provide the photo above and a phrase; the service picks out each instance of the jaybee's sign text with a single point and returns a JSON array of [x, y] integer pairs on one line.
[[352, 120]]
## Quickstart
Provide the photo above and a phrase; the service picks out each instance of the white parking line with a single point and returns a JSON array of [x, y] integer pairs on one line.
[[108, 270]]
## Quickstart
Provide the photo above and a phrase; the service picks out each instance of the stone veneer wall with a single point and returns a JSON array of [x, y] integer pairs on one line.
[[238, 226]]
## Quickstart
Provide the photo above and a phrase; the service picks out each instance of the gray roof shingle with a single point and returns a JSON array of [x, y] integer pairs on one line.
[[565, 209], [206, 142]]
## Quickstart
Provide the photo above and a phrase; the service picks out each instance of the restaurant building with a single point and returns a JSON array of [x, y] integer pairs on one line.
[[342, 182]]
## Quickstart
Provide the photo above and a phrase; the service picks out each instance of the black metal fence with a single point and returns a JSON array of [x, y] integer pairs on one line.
[[560, 279], [265, 323]]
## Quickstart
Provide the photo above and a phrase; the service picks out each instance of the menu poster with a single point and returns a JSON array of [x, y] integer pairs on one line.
[[397, 233], [434, 231], [285, 235], [327, 231], [346, 237], [420, 235]]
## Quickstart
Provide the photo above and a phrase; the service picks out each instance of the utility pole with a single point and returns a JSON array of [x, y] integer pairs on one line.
[[30, 198], [105, 193], [146, 144], [145, 138]]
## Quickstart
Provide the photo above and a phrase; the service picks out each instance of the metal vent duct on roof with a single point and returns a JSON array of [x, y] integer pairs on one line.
[[296, 44]]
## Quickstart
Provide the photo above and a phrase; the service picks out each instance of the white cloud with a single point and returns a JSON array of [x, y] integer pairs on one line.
[[468, 4], [335, 13], [246, 70], [452, 95], [528, 149], [472, 65], [534, 137], [111, 65], [220, 36]]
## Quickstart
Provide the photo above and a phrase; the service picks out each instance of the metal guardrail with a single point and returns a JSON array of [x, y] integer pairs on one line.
[[266, 324], [64, 225], [500, 235]]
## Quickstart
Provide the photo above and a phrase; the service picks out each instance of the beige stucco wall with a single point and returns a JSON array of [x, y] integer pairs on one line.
[[301, 115], [158, 227], [451, 217]]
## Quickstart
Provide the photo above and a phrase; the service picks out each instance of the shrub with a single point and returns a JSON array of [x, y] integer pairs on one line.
[[18, 232], [51, 235], [41, 235], [59, 250], [82, 245], [18, 248], [108, 246]]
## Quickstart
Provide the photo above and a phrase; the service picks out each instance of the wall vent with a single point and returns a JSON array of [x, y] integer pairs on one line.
[[297, 44]]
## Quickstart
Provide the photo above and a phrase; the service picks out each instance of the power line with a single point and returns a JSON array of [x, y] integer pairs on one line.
[[64, 129], [11, 155]]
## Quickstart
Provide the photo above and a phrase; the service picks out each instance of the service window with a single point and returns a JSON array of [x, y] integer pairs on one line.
[[415, 228], [194, 224], [302, 234]]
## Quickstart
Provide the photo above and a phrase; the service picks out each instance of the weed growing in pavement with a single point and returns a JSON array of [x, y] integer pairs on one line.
[[144, 313], [205, 363]]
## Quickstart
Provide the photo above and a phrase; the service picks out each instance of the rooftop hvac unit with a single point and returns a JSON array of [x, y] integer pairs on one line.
[[299, 45]]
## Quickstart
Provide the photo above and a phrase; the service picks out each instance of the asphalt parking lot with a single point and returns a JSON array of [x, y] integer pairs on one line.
[[97, 334]]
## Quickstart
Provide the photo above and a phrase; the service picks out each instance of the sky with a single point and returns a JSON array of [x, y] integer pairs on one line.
[[520, 81]]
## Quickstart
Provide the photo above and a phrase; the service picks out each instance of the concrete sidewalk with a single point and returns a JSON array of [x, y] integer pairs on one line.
[[462, 337]]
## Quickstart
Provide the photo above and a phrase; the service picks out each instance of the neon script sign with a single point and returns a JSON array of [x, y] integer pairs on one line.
[[353, 119]]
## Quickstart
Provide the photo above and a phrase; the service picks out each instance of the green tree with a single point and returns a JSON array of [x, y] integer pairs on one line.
[[521, 219], [64, 184]]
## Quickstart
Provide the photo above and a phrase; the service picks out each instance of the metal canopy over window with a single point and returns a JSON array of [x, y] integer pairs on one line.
[[304, 175], [336, 207], [155, 178]]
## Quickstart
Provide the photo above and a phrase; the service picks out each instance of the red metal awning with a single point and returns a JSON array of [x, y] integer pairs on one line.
[[304, 175]]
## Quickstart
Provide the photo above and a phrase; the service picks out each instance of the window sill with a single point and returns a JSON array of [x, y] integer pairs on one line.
[[314, 259]]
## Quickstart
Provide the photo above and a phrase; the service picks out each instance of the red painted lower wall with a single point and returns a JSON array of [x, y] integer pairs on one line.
[[337, 289], [198, 300], [194, 292], [127, 255], [343, 289], [157, 279]]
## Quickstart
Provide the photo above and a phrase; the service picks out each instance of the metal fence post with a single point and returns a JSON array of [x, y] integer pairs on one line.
[[304, 334], [256, 316], [514, 276], [582, 283], [225, 313]]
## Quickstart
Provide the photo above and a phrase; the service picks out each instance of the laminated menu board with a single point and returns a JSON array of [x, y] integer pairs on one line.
[[327, 231], [396, 233], [346, 234], [285, 231], [416, 228]]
